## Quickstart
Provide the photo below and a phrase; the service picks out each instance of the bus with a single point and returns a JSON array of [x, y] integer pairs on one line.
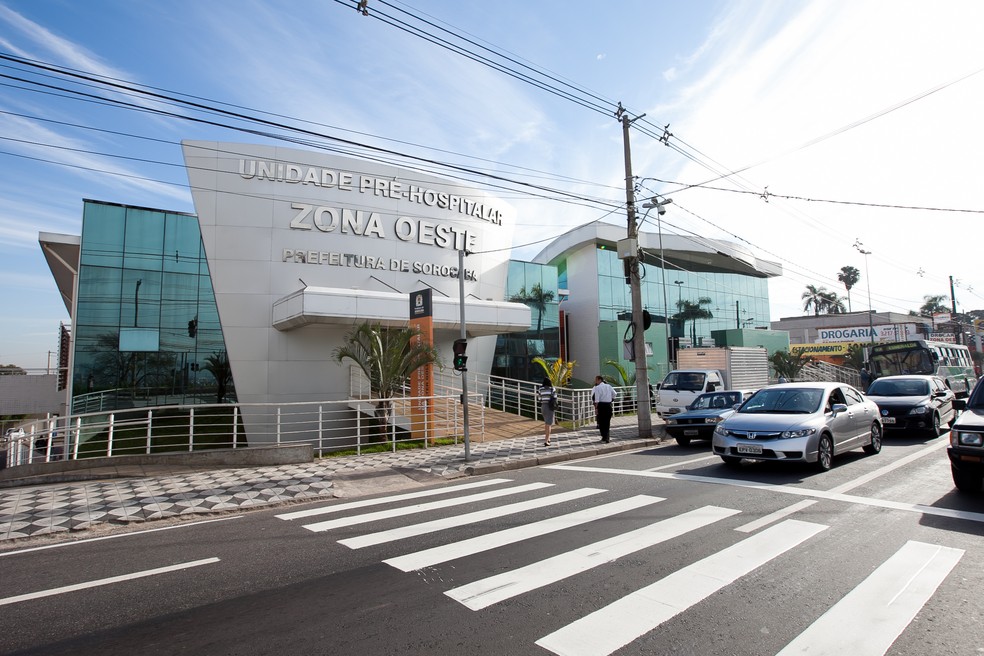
[[951, 362]]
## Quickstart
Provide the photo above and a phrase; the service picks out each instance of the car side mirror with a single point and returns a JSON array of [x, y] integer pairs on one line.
[[839, 408], [659, 385], [959, 404]]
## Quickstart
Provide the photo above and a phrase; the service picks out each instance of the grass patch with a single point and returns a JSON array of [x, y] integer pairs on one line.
[[384, 447], [168, 434]]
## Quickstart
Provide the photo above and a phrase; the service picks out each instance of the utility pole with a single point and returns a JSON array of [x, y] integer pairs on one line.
[[957, 330], [464, 334], [635, 286]]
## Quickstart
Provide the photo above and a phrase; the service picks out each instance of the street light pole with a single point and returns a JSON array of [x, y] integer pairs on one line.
[[635, 286], [871, 328]]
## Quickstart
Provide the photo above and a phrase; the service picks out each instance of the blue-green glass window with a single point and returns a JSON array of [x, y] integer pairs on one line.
[[102, 235]]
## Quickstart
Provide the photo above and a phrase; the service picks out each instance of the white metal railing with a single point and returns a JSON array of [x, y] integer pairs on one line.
[[329, 426], [352, 424], [824, 371]]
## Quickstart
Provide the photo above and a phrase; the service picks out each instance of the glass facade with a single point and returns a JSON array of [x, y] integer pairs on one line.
[[696, 302], [146, 327], [537, 286]]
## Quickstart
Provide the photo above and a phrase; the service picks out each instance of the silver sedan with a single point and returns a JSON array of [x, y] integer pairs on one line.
[[805, 422]]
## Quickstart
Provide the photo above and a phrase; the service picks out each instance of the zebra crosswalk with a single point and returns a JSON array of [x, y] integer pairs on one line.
[[864, 622]]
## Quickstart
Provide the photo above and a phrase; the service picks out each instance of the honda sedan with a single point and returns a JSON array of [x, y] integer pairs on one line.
[[800, 422]]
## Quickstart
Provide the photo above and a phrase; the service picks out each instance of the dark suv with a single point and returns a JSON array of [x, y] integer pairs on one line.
[[966, 448]]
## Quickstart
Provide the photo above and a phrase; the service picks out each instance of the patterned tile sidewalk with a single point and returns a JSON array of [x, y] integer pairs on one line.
[[38, 510]]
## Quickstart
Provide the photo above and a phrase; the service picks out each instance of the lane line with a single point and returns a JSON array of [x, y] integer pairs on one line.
[[422, 507], [684, 462], [772, 518], [786, 489], [480, 543], [494, 589], [118, 535], [616, 625], [901, 462], [868, 619], [298, 514], [108, 581], [444, 523]]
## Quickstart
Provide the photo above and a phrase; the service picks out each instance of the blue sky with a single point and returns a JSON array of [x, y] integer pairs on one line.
[[872, 104]]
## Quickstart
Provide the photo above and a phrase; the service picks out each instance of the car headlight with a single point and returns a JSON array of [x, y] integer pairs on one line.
[[964, 438], [803, 432], [714, 420], [919, 410], [720, 430], [670, 421]]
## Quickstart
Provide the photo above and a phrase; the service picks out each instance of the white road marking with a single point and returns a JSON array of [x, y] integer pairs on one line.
[[776, 516], [119, 535], [868, 619], [683, 462], [786, 489], [494, 589], [901, 462], [609, 628], [381, 500], [100, 582], [480, 543], [422, 507], [444, 523]]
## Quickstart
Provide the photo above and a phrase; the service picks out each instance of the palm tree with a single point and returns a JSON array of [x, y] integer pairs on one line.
[[814, 297], [387, 356], [559, 372], [850, 277], [625, 379], [537, 299], [789, 366], [690, 311], [217, 364], [832, 304], [933, 305]]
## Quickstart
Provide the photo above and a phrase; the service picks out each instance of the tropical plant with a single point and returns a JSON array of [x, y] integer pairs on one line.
[[559, 372], [625, 379], [387, 356], [815, 298], [855, 357], [849, 276], [933, 305], [537, 299], [690, 311], [832, 303], [787, 365], [217, 364]]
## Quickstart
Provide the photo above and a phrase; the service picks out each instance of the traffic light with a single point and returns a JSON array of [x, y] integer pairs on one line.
[[459, 354], [193, 327]]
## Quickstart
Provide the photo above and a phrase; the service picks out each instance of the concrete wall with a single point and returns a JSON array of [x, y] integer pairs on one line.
[[31, 395]]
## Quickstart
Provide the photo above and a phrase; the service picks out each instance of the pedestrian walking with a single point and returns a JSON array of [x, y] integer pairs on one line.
[[548, 407], [602, 394], [865, 379]]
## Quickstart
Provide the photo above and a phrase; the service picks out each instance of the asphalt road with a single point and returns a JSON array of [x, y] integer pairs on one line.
[[663, 551]]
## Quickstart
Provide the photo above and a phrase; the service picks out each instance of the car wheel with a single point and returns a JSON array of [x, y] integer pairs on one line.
[[966, 481], [876, 441], [934, 429], [731, 461], [825, 453], [683, 441]]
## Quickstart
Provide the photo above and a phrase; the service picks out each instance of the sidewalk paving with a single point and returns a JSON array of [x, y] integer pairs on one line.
[[159, 492]]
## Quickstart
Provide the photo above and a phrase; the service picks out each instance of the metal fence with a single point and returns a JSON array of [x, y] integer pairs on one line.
[[331, 427]]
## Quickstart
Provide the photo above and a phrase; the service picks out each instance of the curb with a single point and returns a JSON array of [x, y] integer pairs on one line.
[[498, 467]]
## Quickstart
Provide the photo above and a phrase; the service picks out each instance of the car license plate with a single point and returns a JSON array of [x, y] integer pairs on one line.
[[888, 420], [690, 431], [750, 449]]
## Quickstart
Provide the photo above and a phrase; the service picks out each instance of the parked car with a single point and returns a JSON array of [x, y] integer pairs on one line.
[[922, 403], [966, 450], [700, 418], [800, 422]]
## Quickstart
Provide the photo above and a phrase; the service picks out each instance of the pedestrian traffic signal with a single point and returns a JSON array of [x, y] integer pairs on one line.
[[459, 354]]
